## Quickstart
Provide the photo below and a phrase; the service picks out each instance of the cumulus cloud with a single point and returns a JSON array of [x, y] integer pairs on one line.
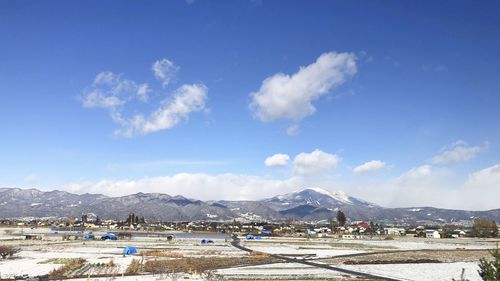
[[291, 97], [200, 186], [164, 70], [111, 91], [185, 100], [277, 160], [369, 166], [481, 191], [456, 152], [434, 186], [315, 163], [420, 186]]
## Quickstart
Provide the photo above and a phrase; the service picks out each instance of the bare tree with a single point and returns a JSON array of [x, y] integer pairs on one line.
[[8, 251]]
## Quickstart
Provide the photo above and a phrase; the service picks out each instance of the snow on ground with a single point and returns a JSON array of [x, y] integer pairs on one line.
[[144, 278], [323, 252], [424, 244], [420, 271], [279, 270]]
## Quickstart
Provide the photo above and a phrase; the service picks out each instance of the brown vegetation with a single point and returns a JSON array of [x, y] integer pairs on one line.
[[134, 267], [68, 267], [203, 264], [161, 253], [8, 251]]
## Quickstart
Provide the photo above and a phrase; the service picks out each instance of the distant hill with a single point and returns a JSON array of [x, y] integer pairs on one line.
[[309, 204]]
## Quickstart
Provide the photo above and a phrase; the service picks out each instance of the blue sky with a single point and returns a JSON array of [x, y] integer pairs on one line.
[[411, 88]]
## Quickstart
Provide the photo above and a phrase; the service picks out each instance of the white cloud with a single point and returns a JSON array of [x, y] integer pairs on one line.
[[417, 173], [369, 166], [435, 186], [486, 177], [110, 90], [185, 100], [143, 92], [315, 163], [481, 190], [418, 187], [198, 186], [277, 160], [164, 70], [283, 96], [456, 152]]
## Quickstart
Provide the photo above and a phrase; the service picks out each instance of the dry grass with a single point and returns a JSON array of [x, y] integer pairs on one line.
[[202, 264], [134, 267], [68, 267], [161, 253], [259, 254], [444, 256]]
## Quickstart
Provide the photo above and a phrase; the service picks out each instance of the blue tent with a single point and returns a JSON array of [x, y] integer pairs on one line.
[[129, 250], [110, 236], [88, 236], [265, 231], [250, 237], [203, 241], [257, 237]]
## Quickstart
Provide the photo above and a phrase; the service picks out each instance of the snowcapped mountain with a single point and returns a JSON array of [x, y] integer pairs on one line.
[[315, 197], [309, 204]]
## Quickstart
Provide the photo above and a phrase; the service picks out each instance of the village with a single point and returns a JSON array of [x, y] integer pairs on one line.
[[322, 228], [90, 247]]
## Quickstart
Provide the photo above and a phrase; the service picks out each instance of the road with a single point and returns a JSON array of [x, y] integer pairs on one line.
[[236, 243]]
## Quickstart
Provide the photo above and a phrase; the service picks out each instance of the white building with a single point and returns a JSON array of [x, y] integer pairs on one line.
[[395, 231], [431, 233]]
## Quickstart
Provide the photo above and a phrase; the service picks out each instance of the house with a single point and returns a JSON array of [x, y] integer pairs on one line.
[[364, 225], [395, 231], [432, 233], [351, 236]]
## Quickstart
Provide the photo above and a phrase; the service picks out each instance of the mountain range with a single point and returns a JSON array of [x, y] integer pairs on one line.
[[309, 204]]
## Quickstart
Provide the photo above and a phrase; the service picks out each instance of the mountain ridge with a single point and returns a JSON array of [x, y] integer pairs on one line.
[[308, 204]]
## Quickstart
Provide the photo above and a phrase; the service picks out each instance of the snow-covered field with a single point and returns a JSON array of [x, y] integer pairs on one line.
[[428, 244], [421, 271], [280, 271], [294, 250], [35, 254]]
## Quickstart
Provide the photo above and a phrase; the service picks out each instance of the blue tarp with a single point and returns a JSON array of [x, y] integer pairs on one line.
[[252, 237], [129, 250], [110, 236], [265, 231], [88, 236], [206, 241]]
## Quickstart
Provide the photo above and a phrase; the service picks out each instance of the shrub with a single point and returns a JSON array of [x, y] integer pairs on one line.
[[490, 270], [69, 266], [8, 251], [134, 267]]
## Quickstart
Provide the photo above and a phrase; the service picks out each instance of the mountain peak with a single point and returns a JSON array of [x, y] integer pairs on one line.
[[337, 195]]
